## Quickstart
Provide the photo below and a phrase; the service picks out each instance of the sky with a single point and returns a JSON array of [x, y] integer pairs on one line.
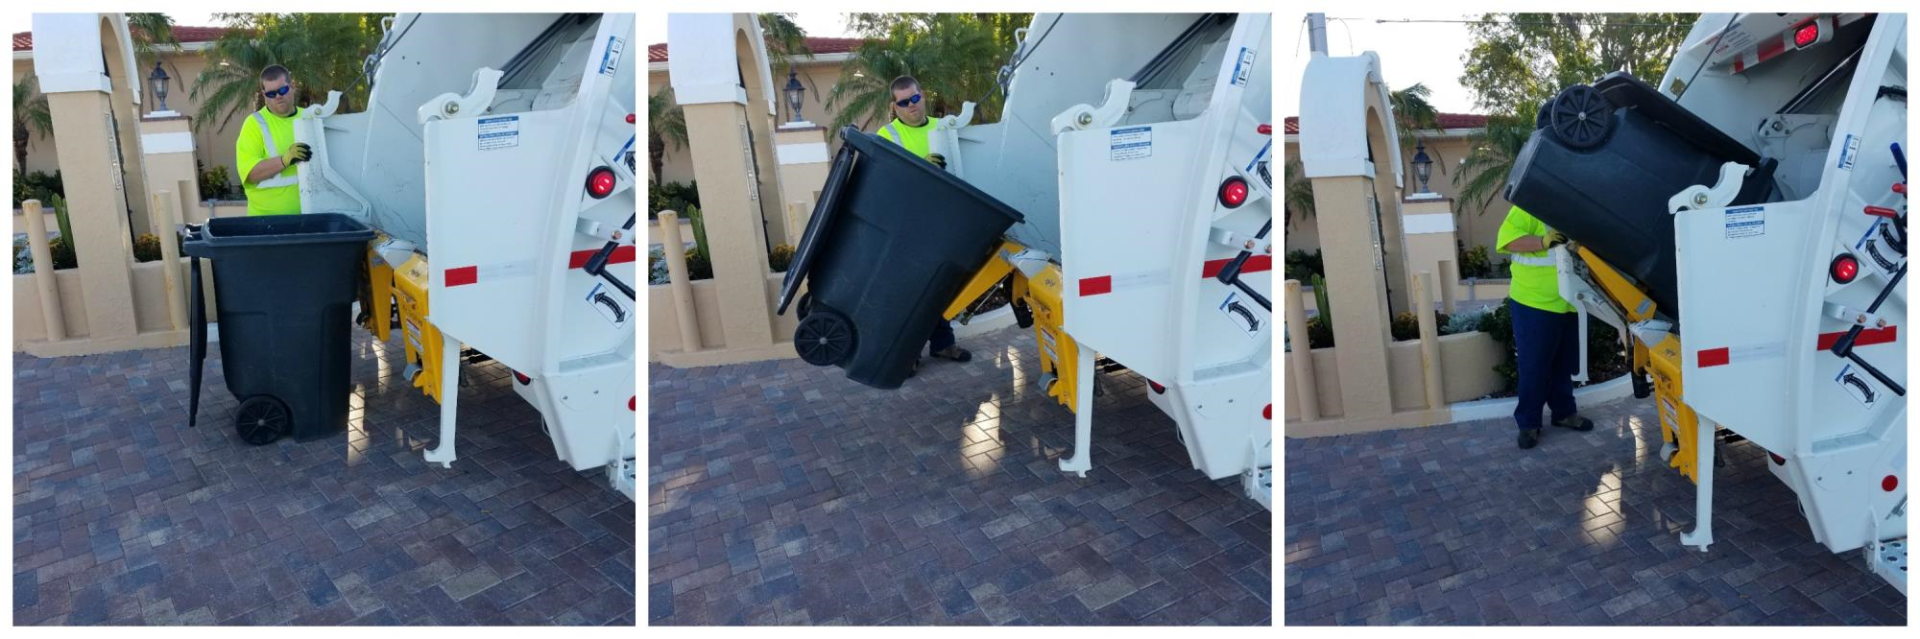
[[818, 24], [1427, 53]]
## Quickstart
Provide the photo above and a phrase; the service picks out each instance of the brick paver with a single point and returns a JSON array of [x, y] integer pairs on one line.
[[1454, 524], [781, 493], [123, 515]]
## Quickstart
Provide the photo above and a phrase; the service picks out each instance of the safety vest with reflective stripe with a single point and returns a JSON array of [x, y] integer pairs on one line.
[[1536, 282], [277, 195], [911, 138]]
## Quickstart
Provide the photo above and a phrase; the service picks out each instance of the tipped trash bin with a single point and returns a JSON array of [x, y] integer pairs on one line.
[[1602, 163], [891, 242], [285, 287]]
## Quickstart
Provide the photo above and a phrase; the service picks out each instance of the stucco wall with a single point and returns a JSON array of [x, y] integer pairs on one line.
[[677, 166], [213, 145], [1466, 374], [663, 323], [149, 302], [1478, 227]]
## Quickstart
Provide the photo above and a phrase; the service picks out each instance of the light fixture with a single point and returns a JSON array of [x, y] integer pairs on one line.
[[1422, 165], [157, 81]]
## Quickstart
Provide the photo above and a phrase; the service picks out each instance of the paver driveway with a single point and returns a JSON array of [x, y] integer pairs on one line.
[[123, 515], [781, 493], [1454, 524]]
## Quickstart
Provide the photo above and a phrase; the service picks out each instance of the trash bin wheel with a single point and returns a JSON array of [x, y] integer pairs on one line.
[[824, 338], [1582, 118], [262, 419], [803, 306]]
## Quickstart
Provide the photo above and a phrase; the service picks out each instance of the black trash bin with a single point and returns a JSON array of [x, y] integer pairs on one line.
[[285, 286], [891, 242], [1602, 163]]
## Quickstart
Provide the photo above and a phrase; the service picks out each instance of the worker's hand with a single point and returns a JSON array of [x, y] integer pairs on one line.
[[937, 160], [1555, 238], [300, 153]]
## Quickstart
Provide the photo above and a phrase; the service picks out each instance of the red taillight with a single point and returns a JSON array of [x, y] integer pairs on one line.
[[523, 379], [1233, 192], [1266, 129], [630, 405], [1157, 388], [600, 183], [1890, 483], [1807, 34], [1778, 460], [629, 118], [1267, 412], [1844, 268]]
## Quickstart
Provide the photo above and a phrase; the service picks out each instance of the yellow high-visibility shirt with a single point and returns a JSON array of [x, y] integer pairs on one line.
[[911, 138], [279, 194], [1536, 283]]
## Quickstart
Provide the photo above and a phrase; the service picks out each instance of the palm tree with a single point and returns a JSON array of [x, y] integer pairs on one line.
[[150, 32], [1413, 114], [665, 123], [956, 57], [786, 41], [1491, 159], [324, 51], [30, 116], [1299, 194]]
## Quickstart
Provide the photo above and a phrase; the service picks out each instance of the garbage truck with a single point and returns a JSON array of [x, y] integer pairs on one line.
[[1743, 223], [1122, 203], [494, 163]]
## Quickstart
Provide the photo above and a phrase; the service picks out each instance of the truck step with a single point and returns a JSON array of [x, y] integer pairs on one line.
[[1889, 560]]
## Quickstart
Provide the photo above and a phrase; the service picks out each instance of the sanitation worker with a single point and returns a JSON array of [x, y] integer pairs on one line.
[[266, 152], [1545, 330], [909, 129]]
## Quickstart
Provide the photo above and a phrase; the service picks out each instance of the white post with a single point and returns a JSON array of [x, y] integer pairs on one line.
[[1082, 459], [170, 258], [449, 400], [1429, 340], [43, 278], [1702, 534]]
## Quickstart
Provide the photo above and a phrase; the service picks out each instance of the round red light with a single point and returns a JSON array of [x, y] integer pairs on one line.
[[523, 379], [1890, 483], [1777, 460], [1268, 412], [1845, 268], [630, 401], [1233, 193], [1157, 388], [600, 182], [1806, 35], [629, 118]]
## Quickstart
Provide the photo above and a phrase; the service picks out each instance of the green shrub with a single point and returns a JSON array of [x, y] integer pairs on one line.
[[215, 184], [1301, 265], [699, 224], [698, 267], [36, 186], [1320, 303], [672, 196], [1475, 263], [1406, 326], [781, 256], [1319, 333]]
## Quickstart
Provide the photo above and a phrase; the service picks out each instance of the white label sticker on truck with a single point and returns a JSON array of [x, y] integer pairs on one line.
[[1241, 315], [1856, 386], [610, 59], [609, 305], [1131, 143], [499, 133], [1243, 67], [1848, 152], [1746, 221]]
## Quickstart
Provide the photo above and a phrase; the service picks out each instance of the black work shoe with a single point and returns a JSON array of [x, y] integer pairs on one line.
[[1575, 422], [954, 353], [1529, 437]]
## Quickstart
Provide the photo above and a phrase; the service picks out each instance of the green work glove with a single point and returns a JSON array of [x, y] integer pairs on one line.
[[1555, 238], [937, 160], [300, 153]]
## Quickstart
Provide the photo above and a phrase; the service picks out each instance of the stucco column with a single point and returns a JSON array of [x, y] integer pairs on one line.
[[804, 161], [1356, 290], [84, 137], [168, 144], [730, 198], [1427, 220]]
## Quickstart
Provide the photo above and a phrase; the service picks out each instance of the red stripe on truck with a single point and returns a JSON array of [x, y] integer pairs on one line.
[[1867, 337], [621, 255], [1090, 286], [462, 276], [1713, 357], [1255, 264]]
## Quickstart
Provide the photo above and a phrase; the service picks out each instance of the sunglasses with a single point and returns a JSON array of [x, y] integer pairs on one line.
[[278, 92], [908, 102]]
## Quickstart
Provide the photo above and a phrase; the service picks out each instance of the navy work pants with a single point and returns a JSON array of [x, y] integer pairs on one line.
[[1549, 347]]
